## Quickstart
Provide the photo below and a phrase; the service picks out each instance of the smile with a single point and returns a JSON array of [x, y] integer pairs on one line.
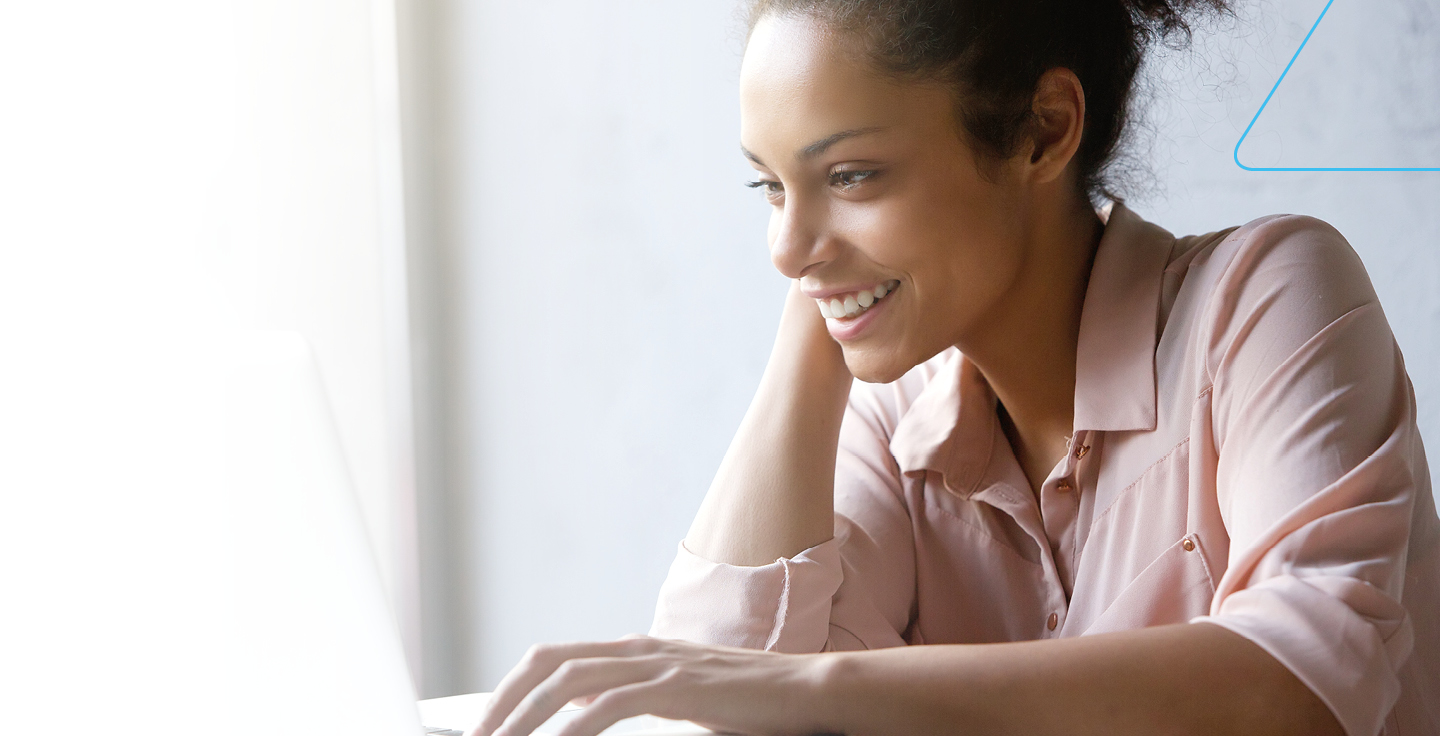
[[849, 306]]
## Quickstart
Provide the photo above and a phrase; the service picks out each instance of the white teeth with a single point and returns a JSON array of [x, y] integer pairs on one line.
[[856, 303]]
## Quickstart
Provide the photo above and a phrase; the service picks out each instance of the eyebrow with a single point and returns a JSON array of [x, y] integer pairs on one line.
[[818, 147]]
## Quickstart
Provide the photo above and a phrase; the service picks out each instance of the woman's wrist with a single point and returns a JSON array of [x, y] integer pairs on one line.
[[804, 349], [828, 676], [824, 688]]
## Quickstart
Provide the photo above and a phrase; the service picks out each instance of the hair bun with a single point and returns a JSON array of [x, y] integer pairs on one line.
[[1167, 17]]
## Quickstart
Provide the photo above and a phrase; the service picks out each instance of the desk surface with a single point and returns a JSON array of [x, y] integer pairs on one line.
[[462, 712]]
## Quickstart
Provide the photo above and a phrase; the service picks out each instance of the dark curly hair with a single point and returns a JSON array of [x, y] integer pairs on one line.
[[993, 53]]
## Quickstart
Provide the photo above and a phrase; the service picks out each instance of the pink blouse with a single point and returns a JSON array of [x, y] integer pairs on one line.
[[1245, 453]]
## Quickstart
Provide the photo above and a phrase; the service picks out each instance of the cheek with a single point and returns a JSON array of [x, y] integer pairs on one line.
[[958, 257], [910, 239], [886, 232], [967, 239], [921, 222], [978, 267]]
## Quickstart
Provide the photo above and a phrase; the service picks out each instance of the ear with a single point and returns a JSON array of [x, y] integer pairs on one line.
[[1057, 125]]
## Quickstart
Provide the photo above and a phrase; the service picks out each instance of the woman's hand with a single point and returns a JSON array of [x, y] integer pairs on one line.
[[773, 494], [722, 688], [804, 342]]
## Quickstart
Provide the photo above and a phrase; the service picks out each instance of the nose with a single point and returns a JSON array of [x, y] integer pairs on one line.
[[798, 244]]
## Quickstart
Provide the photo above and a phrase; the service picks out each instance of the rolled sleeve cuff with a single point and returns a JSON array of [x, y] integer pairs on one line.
[[1339, 654], [780, 607]]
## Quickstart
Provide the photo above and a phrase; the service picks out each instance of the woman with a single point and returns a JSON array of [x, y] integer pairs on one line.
[[1200, 453]]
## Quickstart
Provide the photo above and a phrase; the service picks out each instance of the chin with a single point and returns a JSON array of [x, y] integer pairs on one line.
[[872, 368]]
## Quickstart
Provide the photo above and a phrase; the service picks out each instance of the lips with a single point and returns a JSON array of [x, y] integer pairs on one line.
[[852, 305]]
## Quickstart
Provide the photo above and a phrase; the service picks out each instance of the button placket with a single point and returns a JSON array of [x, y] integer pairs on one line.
[[1060, 504]]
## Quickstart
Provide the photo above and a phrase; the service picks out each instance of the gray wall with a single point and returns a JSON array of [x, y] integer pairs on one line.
[[594, 304]]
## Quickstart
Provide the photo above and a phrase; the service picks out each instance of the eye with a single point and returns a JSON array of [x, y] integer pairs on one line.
[[847, 180], [772, 189]]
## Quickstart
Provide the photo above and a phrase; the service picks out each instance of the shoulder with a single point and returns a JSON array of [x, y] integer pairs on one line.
[[1275, 282], [1292, 251]]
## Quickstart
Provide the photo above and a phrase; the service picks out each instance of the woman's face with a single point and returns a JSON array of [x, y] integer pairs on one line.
[[872, 186]]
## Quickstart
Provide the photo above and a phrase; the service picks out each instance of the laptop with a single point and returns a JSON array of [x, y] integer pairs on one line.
[[314, 644]]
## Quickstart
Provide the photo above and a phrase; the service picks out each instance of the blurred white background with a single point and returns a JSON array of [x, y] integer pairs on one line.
[[516, 236], [172, 171]]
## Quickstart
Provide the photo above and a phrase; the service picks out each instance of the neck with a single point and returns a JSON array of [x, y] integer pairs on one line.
[[1026, 349]]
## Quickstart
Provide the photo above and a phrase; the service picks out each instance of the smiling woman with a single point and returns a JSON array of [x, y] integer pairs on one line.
[[1113, 480]]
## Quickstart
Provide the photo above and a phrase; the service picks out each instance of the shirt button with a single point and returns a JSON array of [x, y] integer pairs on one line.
[[1062, 486], [1188, 545], [1081, 450], [1052, 621]]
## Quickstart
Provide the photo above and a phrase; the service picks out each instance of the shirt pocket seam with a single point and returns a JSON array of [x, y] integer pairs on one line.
[[1199, 550], [1143, 474], [1155, 567]]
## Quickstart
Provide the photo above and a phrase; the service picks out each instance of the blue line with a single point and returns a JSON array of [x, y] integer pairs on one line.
[[1272, 94]]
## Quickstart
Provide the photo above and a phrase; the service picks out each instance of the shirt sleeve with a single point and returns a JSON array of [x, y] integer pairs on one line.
[[855, 591], [1319, 466]]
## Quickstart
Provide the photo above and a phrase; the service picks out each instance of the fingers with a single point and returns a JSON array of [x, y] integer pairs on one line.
[[613, 706], [574, 678], [538, 664]]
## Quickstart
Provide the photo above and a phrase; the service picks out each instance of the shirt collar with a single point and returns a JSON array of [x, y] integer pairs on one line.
[[950, 427], [1119, 326]]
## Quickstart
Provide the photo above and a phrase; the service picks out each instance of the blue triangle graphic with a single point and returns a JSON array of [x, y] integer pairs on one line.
[[1272, 94]]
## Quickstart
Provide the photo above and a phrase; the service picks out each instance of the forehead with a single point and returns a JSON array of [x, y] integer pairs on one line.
[[800, 81]]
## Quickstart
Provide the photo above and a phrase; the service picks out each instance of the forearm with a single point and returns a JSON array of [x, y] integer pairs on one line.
[[773, 495], [1180, 679]]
